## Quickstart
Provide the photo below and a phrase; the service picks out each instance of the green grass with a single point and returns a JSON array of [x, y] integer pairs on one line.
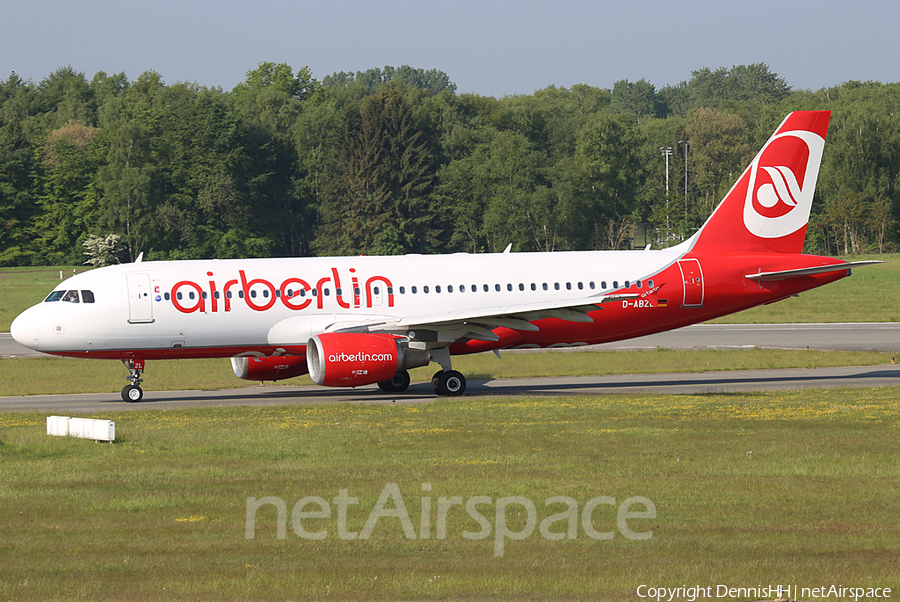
[[20, 288], [52, 376], [869, 295], [795, 488]]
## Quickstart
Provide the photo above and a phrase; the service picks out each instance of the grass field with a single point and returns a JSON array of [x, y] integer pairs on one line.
[[869, 295], [53, 376], [795, 488]]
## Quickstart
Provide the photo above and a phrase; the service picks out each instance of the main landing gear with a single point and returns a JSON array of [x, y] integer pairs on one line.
[[446, 383], [398, 384], [133, 392]]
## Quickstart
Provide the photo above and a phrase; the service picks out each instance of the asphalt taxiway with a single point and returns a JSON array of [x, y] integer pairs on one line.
[[858, 337]]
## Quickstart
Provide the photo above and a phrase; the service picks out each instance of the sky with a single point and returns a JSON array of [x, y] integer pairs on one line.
[[489, 47]]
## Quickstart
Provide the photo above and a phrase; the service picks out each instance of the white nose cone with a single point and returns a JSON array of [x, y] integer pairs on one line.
[[24, 329]]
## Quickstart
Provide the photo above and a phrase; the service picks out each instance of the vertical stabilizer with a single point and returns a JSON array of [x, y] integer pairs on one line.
[[768, 208]]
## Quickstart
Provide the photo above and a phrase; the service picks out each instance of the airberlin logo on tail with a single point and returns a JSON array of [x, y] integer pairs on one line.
[[782, 180]]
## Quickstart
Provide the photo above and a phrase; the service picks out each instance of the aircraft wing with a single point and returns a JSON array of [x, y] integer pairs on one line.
[[477, 323], [822, 269]]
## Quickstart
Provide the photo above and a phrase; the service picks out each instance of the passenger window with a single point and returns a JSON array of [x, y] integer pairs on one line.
[[602, 284], [626, 284], [556, 286], [521, 287], [486, 289], [437, 288], [615, 284], [252, 295], [412, 289], [402, 290], [167, 297], [568, 286], [592, 285], [497, 287], [580, 286], [449, 288], [425, 289], [533, 286], [87, 296], [545, 286], [462, 288], [650, 284]]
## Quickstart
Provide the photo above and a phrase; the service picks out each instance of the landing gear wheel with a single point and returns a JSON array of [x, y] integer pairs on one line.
[[398, 384], [132, 393], [449, 383]]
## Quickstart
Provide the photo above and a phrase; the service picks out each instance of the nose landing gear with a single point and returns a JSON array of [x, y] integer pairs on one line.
[[133, 392]]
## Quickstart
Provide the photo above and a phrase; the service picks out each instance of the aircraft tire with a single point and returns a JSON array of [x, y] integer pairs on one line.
[[398, 384], [132, 393], [448, 383]]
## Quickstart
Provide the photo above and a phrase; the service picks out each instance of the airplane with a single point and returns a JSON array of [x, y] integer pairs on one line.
[[356, 321]]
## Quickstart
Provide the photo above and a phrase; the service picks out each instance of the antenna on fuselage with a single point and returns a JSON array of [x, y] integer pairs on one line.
[[507, 249], [139, 257]]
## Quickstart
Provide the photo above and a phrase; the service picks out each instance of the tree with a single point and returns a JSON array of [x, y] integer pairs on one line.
[[720, 148], [638, 98], [384, 176]]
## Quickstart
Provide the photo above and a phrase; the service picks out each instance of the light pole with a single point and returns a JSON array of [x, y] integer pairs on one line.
[[667, 152], [685, 143]]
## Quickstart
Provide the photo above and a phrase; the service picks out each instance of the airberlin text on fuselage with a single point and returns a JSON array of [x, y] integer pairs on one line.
[[294, 293]]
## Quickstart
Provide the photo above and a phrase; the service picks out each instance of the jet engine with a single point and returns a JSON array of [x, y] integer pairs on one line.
[[338, 359], [268, 368]]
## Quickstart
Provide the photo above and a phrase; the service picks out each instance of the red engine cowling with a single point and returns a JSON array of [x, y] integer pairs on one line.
[[268, 368], [347, 359]]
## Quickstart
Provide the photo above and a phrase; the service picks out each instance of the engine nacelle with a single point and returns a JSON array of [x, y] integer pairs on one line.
[[268, 368], [347, 359]]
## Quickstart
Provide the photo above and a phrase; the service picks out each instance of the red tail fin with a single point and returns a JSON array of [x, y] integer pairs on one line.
[[768, 208]]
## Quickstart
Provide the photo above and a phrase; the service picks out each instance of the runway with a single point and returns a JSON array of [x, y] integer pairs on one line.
[[707, 382]]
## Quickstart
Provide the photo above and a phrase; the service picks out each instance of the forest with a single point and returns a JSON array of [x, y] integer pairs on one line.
[[395, 160]]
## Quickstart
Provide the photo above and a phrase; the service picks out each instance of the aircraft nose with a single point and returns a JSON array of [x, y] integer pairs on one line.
[[24, 329]]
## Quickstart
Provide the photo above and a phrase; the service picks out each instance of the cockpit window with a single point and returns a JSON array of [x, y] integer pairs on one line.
[[69, 296]]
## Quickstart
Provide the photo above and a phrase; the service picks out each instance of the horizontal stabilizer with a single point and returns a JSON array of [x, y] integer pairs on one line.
[[822, 269]]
